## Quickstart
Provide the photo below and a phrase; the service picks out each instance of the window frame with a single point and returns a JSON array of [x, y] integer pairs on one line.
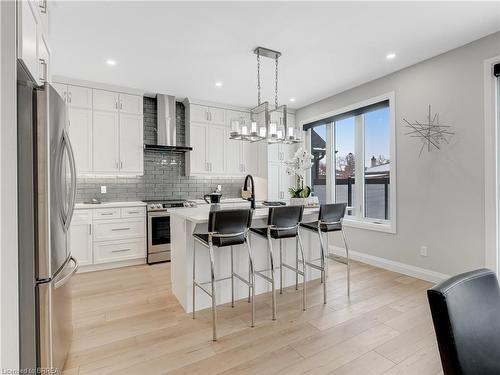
[[359, 221]]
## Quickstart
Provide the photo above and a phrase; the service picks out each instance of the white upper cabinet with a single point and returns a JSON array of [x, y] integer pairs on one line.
[[234, 165], [131, 143], [62, 89], [105, 142], [209, 115], [27, 47], [79, 97], [250, 158], [198, 158], [131, 104], [80, 133], [105, 100], [216, 151]]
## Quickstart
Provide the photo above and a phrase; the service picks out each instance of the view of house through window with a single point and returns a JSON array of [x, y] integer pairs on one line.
[[361, 150]]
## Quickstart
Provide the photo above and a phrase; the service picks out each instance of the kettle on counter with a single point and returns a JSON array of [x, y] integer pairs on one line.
[[214, 197]]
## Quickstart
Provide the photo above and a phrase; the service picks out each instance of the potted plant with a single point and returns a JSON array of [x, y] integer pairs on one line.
[[297, 166]]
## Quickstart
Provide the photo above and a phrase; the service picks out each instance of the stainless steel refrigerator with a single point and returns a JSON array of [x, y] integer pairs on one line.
[[46, 200]]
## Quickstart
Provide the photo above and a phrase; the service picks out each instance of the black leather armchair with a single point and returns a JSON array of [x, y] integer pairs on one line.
[[466, 314]]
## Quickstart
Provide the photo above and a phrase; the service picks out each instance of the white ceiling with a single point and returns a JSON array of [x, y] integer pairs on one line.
[[183, 48]]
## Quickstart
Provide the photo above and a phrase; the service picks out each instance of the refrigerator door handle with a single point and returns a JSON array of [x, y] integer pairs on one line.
[[64, 279], [71, 156], [66, 216]]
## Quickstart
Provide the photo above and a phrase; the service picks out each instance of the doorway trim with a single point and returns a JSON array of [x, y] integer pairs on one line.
[[491, 166]]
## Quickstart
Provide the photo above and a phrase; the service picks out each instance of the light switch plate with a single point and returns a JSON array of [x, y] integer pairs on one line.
[[103, 189]]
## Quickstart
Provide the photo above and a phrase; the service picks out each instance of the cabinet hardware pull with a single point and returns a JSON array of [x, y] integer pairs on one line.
[[90, 229], [116, 229], [133, 212], [121, 105], [120, 251], [121, 165], [43, 63], [107, 213], [69, 97]]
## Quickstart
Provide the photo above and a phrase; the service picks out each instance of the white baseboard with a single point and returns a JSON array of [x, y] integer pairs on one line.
[[391, 265]]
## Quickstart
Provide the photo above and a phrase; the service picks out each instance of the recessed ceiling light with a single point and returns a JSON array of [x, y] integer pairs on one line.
[[390, 56], [218, 84], [292, 99], [111, 62]]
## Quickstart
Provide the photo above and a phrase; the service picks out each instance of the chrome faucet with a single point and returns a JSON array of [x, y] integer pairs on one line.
[[252, 196]]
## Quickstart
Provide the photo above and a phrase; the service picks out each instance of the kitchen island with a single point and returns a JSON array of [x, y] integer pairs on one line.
[[186, 221]]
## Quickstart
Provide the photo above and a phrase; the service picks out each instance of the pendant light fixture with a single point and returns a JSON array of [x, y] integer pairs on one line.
[[265, 124]]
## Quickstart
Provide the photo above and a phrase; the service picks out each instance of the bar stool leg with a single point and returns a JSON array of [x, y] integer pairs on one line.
[[304, 280], [296, 263], [273, 291], [232, 277], [251, 279], [194, 286], [324, 267], [250, 270], [214, 307], [348, 265], [281, 266]]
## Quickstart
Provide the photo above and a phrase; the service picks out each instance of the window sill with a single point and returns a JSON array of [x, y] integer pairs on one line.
[[385, 227]]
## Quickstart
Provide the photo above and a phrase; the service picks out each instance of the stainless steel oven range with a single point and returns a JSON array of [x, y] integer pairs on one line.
[[159, 229]]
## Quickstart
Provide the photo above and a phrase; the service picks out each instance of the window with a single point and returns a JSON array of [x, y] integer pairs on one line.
[[353, 153]]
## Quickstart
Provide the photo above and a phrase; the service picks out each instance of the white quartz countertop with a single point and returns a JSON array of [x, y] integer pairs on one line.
[[199, 214], [80, 206]]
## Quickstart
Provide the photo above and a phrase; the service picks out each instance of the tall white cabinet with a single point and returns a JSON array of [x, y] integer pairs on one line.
[[106, 130], [207, 132]]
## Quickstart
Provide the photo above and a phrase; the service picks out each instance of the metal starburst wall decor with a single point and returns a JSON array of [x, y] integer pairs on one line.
[[431, 133]]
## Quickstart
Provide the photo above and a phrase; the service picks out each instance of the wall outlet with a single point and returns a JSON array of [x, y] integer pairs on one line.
[[423, 251], [103, 189]]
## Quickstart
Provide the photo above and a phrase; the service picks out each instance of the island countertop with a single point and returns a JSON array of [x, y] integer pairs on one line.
[[199, 215]]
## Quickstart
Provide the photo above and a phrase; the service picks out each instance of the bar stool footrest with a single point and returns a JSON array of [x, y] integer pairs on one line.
[[243, 280], [337, 258], [314, 266], [293, 269]]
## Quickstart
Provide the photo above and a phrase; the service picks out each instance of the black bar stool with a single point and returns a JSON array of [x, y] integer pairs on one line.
[[283, 222], [329, 220], [225, 228]]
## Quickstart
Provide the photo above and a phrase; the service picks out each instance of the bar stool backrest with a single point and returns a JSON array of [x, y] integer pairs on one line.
[[230, 221], [332, 213], [285, 216]]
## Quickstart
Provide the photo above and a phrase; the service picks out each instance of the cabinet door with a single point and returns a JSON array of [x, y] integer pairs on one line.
[[131, 104], [250, 158], [233, 151], [43, 60], [62, 89], [81, 237], [286, 182], [27, 47], [273, 153], [80, 132], [198, 113], [216, 115], [198, 141], [273, 182], [79, 97], [105, 100], [105, 141], [131, 143], [287, 151], [216, 155]]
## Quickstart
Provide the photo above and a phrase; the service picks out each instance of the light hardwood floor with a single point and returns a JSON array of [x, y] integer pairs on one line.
[[126, 321]]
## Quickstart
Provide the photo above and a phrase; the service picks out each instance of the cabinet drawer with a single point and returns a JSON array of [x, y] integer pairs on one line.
[[119, 229], [81, 217], [106, 213], [133, 212], [115, 251]]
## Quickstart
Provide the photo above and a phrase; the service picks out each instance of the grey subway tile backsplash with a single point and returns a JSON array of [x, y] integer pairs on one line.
[[162, 178]]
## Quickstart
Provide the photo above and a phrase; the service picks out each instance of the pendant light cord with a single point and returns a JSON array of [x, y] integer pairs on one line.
[[258, 77], [276, 82]]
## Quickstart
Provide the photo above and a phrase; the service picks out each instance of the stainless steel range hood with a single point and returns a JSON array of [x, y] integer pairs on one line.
[[166, 126]]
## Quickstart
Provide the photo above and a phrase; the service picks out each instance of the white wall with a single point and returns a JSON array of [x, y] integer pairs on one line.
[[9, 321], [440, 196]]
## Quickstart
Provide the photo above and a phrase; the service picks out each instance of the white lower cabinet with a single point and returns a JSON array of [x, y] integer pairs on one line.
[[81, 237], [108, 235]]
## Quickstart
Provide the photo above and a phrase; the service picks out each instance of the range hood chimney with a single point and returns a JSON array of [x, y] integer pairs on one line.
[[166, 126]]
